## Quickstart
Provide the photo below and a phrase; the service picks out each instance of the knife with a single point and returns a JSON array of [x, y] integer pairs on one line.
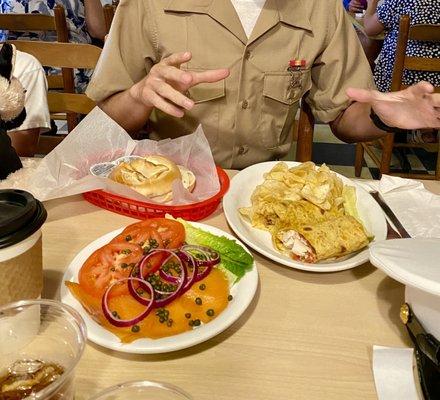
[[389, 213]]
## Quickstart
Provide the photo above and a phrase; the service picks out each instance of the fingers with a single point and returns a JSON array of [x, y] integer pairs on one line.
[[435, 98], [167, 92], [422, 88], [177, 59], [173, 74], [163, 105], [210, 76]]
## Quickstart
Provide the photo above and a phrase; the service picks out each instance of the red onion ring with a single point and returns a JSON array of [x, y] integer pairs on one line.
[[147, 257], [177, 291], [211, 257], [191, 262], [123, 323]]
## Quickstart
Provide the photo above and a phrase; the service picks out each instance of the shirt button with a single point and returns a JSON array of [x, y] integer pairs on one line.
[[247, 55], [244, 104]]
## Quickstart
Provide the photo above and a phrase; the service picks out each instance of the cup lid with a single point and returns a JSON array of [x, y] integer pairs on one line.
[[20, 216], [413, 262]]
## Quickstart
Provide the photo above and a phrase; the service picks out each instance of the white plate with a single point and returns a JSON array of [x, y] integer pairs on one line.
[[239, 195], [243, 293]]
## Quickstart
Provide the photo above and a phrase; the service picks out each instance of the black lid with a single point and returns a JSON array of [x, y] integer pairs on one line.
[[20, 216]]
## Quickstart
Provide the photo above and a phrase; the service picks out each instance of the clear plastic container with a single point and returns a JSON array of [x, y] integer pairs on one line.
[[36, 332], [143, 390]]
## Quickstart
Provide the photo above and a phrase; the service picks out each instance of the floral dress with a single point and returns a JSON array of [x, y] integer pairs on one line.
[[76, 24], [420, 12]]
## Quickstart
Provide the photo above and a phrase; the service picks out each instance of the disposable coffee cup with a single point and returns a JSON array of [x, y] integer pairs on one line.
[[21, 259]]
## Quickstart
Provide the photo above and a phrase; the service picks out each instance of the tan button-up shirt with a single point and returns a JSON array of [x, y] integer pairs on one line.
[[248, 117]]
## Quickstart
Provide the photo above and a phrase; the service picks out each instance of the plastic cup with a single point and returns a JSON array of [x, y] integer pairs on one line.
[[34, 331], [143, 390]]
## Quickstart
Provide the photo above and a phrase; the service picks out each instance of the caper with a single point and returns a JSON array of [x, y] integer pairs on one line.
[[135, 328], [210, 312], [161, 320], [128, 238], [188, 315], [202, 286], [196, 322], [230, 297], [198, 301], [124, 265]]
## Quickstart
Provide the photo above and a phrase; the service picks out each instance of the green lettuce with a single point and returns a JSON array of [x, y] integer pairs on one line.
[[233, 257]]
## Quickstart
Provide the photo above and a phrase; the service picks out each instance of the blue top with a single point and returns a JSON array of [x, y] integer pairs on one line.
[[420, 12], [346, 3]]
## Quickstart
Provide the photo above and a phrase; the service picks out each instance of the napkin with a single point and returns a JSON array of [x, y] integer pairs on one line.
[[417, 208], [393, 373], [66, 170]]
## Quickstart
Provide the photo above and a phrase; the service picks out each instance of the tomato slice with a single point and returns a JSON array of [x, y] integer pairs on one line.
[[146, 237], [172, 232], [111, 262]]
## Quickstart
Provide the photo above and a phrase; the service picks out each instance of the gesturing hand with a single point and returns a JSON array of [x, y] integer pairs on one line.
[[416, 107], [355, 6], [166, 83]]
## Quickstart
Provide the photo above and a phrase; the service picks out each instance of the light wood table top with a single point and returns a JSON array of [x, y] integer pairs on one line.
[[304, 336]]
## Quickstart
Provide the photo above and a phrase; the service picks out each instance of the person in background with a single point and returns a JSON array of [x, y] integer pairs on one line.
[[385, 17], [30, 73], [354, 6], [85, 21]]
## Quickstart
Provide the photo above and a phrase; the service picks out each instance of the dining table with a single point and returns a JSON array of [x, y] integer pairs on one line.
[[304, 336]]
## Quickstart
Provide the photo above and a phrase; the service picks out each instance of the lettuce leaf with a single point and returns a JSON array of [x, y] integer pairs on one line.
[[233, 257]]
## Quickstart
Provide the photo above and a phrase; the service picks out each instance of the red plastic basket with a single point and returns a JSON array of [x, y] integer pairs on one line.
[[143, 210]]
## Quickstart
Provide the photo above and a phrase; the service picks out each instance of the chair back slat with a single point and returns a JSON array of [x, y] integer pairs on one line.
[[425, 33], [69, 103], [55, 82], [422, 64], [61, 55], [27, 22]]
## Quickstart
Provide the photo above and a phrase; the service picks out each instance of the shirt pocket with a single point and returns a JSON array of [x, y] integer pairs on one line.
[[281, 95], [208, 99]]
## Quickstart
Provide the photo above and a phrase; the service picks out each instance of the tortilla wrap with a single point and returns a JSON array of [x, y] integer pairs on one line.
[[329, 239]]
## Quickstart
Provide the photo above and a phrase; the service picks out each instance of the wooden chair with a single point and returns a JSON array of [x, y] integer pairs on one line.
[[109, 13], [62, 55], [406, 32], [44, 23], [306, 127]]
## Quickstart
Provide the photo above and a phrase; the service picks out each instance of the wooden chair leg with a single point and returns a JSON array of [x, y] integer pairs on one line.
[[359, 159], [304, 145], [437, 169], [387, 152]]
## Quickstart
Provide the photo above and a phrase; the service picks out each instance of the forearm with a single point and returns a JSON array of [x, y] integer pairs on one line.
[[372, 25], [355, 125], [129, 113], [95, 19]]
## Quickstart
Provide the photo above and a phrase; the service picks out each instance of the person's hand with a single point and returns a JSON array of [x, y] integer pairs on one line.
[[166, 83], [416, 107], [355, 6]]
